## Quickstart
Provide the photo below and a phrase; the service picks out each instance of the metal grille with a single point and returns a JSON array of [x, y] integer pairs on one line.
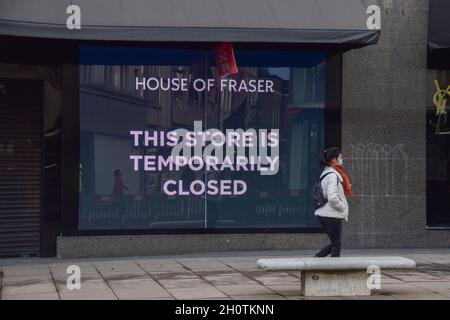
[[20, 166]]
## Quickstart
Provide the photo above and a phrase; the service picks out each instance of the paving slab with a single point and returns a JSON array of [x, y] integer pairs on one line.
[[286, 290], [209, 265], [372, 297], [133, 283], [258, 297], [163, 267], [26, 270], [27, 285], [411, 276], [173, 275], [408, 291], [227, 298], [222, 276], [118, 268], [237, 259], [62, 276], [157, 261], [441, 288], [227, 279], [149, 292], [92, 290], [277, 278], [295, 297], [387, 279], [183, 283], [244, 265], [93, 295], [196, 293]]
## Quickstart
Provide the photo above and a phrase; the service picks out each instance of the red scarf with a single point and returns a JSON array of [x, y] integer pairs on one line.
[[347, 185]]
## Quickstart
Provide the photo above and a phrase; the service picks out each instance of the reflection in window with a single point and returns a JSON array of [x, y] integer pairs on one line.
[[438, 149]]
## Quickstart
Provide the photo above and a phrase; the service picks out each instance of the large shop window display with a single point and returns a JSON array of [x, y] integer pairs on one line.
[[438, 149], [167, 142]]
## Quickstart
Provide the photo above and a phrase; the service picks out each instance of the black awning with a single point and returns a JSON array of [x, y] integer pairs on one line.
[[288, 21]]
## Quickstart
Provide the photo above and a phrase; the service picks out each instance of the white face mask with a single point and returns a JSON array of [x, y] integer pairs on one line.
[[340, 161]]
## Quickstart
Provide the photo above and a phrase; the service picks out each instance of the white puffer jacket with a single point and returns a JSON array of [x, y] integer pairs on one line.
[[333, 190]]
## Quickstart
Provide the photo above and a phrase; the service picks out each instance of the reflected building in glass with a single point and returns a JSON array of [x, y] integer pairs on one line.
[[111, 105]]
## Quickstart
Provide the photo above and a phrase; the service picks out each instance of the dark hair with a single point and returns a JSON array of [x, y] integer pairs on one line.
[[117, 173], [329, 154]]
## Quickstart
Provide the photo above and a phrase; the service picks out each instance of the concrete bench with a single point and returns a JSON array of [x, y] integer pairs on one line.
[[343, 276]]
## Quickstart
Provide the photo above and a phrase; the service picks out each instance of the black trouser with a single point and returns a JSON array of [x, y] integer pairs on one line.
[[333, 228]]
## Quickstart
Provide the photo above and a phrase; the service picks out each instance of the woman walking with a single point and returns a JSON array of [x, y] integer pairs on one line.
[[336, 186]]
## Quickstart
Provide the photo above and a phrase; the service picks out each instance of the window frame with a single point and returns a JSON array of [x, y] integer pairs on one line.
[[71, 136]]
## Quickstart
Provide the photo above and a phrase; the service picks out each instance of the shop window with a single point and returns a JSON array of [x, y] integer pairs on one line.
[[274, 92]]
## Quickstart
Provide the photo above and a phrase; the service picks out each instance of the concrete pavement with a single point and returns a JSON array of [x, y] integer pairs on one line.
[[231, 275]]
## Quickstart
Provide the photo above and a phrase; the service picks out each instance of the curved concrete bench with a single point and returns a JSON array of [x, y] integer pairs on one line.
[[343, 276]]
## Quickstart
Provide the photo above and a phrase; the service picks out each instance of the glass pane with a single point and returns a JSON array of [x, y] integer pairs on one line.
[[273, 92], [146, 91]]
